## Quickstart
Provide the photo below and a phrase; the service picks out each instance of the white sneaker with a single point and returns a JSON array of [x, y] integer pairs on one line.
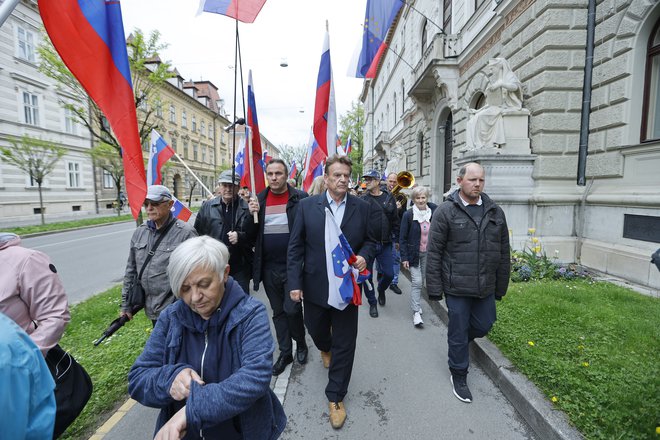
[[417, 320]]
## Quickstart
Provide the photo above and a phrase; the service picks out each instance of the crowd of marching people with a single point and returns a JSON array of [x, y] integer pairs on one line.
[[208, 362]]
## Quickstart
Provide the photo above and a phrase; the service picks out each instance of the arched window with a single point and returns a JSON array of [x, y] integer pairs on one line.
[[424, 37], [651, 106]]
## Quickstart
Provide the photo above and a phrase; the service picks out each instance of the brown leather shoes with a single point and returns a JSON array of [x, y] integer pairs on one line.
[[337, 414], [326, 356]]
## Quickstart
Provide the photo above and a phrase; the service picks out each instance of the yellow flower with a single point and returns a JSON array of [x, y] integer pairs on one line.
[[535, 240], [580, 347], [510, 232], [554, 399], [531, 231], [536, 249], [585, 364], [657, 430], [530, 343]]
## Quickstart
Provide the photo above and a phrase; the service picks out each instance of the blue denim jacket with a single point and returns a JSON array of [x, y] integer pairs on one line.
[[246, 393]]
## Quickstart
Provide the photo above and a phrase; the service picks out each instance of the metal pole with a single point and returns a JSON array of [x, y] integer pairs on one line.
[[192, 174], [6, 8]]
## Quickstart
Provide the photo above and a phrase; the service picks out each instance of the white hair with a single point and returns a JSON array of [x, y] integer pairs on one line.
[[418, 190], [198, 252]]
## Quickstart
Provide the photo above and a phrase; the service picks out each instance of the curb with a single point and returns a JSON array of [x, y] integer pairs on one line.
[[546, 421], [39, 234]]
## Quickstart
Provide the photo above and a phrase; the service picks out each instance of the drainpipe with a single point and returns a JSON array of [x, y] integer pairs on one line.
[[586, 94]]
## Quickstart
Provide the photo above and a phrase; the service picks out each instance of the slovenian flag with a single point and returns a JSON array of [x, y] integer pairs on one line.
[[314, 162], [254, 156], [159, 153], [89, 37], [325, 114], [294, 170], [343, 279], [179, 210], [378, 19], [242, 10], [349, 146]]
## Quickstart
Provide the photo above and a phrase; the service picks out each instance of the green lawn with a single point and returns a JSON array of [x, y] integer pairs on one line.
[[592, 348], [60, 226], [107, 364]]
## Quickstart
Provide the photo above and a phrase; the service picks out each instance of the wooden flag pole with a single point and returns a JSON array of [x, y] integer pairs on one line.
[[255, 215], [193, 174]]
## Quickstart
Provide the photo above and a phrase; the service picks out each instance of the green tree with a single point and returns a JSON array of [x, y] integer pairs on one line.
[[350, 124], [35, 157], [106, 157], [289, 153]]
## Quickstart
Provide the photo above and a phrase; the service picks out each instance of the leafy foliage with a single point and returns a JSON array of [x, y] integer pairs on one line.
[[289, 153], [350, 123]]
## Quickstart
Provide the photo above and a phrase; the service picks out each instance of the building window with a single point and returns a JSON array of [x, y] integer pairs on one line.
[[184, 119], [26, 45], [195, 152], [394, 108], [203, 154], [446, 22], [185, 149], [74, 178], [210, 132], [172, 114], [403, 97], [108, 181], [173, 145], [651, 105], [159, 109], [31, 108], [194, 123], [202, 128], [70, 124], [424, 37]]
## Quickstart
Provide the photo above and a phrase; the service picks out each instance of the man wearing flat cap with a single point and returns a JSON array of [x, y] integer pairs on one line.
[[154, 280], [227, 219]]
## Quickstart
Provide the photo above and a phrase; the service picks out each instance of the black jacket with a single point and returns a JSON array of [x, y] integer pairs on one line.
[[466, 259], [295, 195], [384, 220], [410, 236]]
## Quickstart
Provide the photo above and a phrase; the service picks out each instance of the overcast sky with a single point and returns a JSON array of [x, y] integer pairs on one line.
[[202, 47]]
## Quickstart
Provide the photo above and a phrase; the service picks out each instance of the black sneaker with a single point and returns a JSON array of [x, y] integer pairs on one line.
[[381, 298], [460, 388], [394, 288], [281, 364]]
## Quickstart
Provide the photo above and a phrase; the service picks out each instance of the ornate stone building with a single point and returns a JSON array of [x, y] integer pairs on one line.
[[501, 83]]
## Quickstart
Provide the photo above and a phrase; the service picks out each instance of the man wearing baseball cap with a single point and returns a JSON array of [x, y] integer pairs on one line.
[[154, 280], [227, 219]]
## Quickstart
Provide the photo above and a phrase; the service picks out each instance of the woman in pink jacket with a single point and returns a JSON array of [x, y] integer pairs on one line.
[[31, 292]]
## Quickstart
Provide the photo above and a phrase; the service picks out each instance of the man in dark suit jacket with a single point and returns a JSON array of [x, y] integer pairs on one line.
[[334, 331]]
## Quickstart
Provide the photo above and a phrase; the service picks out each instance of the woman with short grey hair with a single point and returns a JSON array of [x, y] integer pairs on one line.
[[413, 239], [207, 363]]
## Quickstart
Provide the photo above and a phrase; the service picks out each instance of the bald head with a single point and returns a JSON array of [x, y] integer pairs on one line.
[[471, 180]]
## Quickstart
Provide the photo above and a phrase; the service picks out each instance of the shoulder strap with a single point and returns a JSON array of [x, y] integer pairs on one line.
[[153, 249]]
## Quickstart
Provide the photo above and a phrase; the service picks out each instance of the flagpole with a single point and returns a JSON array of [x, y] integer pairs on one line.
[[255, 216], [193, 174]]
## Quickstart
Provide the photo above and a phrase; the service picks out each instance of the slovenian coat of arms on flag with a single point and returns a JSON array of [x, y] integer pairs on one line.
[[343, 279]]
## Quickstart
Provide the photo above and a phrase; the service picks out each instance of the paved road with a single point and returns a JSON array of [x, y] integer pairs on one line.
[[400, 389], [89, 260]]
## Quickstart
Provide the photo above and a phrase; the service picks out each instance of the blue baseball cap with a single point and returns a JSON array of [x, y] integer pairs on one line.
[[372, 174]]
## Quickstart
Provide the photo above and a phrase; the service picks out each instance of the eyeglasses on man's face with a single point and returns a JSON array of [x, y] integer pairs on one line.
[[152, 203]]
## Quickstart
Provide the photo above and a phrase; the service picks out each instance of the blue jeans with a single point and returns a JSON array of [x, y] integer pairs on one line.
[[396, 261], [469, 318], [384, 260]]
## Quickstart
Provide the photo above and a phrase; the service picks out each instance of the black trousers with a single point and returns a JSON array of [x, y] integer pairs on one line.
[[334, 331], [242, 276], [287, 315]]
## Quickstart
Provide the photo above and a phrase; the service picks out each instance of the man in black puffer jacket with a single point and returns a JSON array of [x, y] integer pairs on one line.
[[469, 262]]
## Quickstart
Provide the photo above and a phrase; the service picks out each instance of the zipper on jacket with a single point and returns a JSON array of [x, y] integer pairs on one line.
[[206, 344]]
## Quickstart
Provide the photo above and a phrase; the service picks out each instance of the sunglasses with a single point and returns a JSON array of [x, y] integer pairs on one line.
[[152, 203]]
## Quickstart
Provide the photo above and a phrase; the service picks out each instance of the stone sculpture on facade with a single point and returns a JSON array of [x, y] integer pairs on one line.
[[394, 163], [485, 126]]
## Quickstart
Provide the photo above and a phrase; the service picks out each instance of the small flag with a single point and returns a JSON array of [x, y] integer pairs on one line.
[[159, 153], [242, 10], [294, 170], [179, 210], [349, 146], [315, 159], [378, 19]]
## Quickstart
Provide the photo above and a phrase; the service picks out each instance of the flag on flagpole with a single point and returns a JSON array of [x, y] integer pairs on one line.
[[378, 19], [180, 210], [253, 158], [325, 115], [314, 163], [89, 37], [294, 170], [343, 279], [349, 146], [159, 153], [239, 161], [242, 10]]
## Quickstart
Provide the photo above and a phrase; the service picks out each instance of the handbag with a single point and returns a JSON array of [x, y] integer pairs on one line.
[[136, 297], [73, 387]]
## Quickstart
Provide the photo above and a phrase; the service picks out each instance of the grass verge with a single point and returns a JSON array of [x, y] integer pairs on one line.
[[50, 227], [107, 364], [592, 348]]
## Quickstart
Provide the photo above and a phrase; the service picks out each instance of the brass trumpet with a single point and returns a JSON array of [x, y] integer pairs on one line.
[[404, 180]]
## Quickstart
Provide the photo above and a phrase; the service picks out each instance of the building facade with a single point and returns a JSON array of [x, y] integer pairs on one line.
[[31, 104], [502, 83]]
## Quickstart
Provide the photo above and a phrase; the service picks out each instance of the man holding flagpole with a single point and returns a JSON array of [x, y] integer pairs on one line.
[[333, 328]]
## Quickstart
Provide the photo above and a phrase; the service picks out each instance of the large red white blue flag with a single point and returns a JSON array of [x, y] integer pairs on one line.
[[89, 36], [325, 113], [242, 10], [314, 162], [253, 158], [378, 19], [159, 153]]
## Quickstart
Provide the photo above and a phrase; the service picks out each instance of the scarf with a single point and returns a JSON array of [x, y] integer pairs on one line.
[[421, 216]]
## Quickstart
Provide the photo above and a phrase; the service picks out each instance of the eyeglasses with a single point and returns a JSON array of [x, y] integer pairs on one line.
[[152, 203]]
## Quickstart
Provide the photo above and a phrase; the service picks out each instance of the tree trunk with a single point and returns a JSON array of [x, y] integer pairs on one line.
[[118, 201], [192, 189], [41, 205]]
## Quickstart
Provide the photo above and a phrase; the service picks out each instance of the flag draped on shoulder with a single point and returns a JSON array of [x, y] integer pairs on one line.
[[325, 114], [89, 37], [180, 210], [253, 157], [242, 10], [343, 279], [159, 153], [378, 19]]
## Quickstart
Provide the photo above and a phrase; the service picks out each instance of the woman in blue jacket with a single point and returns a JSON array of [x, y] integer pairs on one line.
[[413, 238], [208, 362]]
